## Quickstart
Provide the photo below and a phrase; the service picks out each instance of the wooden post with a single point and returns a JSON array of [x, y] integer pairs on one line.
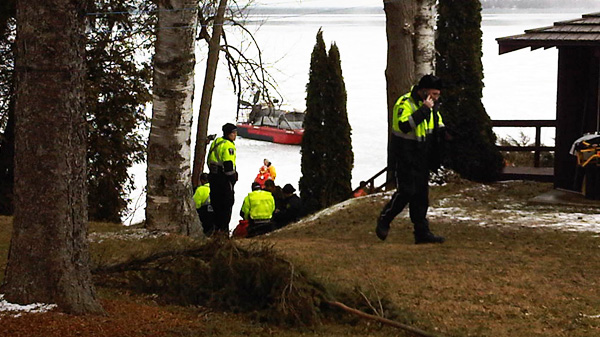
[[538, 141]]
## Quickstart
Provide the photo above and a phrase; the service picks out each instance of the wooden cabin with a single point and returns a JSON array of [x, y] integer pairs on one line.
[[578, 89]]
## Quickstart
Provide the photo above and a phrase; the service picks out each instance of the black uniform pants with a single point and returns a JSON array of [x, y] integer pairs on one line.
[[259, 227], [207, 218], [412, 190], [221, 199]]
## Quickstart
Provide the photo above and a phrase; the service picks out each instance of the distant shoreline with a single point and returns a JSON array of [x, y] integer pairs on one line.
[[306, 10]]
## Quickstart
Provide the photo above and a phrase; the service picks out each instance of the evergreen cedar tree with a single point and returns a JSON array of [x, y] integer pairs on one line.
[[117, 95], [471, 152], [7, 142], [327, 157], [340, 159], [117, 89]]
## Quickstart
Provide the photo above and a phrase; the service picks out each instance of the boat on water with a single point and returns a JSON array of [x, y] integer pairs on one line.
[[266, 122]]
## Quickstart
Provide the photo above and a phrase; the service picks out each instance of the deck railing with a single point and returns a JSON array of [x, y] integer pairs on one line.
[[537, 149], [371, 187]]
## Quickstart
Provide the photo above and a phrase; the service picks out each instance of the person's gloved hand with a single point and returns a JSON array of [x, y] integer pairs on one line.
[[420, 115]]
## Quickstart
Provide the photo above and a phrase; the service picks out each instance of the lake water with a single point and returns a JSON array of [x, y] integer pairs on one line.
[[514, 82]]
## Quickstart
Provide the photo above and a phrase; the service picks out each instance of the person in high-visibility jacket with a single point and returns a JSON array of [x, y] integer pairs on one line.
[[203, 206], [258, 208], [417, 132], [222, 176]]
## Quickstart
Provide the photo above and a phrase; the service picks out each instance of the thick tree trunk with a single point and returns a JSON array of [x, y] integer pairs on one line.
[[48, 256], [169, 204], [207, 92], [424, 39], [399, 73]]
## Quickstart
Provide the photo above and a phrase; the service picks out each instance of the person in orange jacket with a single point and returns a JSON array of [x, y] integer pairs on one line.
[[362, 190], [270, 168], [262, 176]]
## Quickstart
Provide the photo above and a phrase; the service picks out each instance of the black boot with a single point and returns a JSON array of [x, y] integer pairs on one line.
[[428, 237], [382, 231]]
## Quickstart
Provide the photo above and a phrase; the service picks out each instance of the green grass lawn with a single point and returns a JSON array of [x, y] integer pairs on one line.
[[506, 269]]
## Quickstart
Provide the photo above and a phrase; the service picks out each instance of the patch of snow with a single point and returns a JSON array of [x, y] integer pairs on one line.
[[15, 310], [333, 209], [132, 234], [590, 316], [513, 214], [568, 221]]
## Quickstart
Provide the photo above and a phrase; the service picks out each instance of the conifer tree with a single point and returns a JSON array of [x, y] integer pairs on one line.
[[327, 157], [340, 158], [472, 151], [48, 259], [117, 88], [7, 124], [315, 139]]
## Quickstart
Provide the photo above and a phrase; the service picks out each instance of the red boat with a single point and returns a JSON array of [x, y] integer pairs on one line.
[[271, 134], [265, 122]]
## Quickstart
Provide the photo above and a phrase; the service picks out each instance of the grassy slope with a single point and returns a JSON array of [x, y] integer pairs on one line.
[[489, 281], [493, 280]]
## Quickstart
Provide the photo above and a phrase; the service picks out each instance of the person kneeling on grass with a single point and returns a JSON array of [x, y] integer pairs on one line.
[[291, 208], [258, 208], [203, 206]]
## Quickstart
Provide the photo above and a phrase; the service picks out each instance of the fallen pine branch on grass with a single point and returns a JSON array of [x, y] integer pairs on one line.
[[386, 321]]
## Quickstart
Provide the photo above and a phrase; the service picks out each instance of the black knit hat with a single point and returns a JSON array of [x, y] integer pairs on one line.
[[288, 188], [228, 128], [430, 82], [255, 186]]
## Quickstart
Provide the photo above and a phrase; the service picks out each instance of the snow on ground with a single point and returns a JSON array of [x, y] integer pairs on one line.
[[335, 208], [129, 234], [15, 310], [571, 221], [513, 215]]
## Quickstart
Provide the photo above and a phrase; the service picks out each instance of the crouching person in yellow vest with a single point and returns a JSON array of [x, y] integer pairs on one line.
[[203, 206], [258, 209]]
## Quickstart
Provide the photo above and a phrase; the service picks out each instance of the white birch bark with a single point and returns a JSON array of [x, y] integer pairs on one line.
[[169, 204], [424, 39]]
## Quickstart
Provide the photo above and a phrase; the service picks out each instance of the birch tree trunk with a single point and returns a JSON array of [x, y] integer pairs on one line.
[[399, 74], [207, 92], [169, 204], [48, 256], [424, 38]]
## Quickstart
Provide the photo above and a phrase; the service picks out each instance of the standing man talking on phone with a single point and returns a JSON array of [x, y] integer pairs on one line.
[[416, 135]]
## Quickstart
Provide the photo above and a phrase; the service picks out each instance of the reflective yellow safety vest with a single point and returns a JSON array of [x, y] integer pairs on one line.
[[258, 205], [403, 109], [221, 151], [202, 195]]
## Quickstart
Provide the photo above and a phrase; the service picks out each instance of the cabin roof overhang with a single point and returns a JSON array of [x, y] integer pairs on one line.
[[583, 32]]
